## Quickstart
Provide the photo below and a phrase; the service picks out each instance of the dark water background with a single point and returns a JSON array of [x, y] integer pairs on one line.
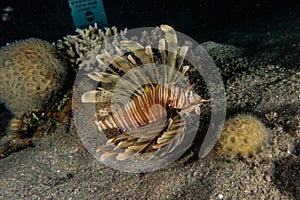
[[203, 20]]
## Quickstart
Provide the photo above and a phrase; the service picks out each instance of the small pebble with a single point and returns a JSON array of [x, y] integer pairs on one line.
[[268, 178], [220, 196]]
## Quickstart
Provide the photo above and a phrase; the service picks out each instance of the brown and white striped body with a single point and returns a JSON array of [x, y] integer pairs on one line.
[[148, 108]]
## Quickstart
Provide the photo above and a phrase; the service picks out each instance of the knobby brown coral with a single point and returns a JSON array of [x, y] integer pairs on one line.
[[31, 75]]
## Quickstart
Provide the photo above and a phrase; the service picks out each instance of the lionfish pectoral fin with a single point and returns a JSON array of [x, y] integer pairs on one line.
[[104, 112], [116, 146], [106, 151], [173, 143], [107, 154], [148, 131], [146, 139], [172, 136], [121, 137], [125, 144], [124, 156], [96, 96], [138, 141], [162, 140], [160, 145], [137, 148]]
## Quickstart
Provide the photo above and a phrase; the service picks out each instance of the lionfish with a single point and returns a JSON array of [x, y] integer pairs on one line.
[[147, 97]]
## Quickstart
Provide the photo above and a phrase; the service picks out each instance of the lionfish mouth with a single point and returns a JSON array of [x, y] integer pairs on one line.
[[143, 96]]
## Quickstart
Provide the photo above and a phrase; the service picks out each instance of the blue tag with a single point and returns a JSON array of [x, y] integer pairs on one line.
[[87, 12]]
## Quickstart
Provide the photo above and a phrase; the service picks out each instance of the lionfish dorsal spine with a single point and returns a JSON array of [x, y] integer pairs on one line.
[[172, 44], [162, 50]]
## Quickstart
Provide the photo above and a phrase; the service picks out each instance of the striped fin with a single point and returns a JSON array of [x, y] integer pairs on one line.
[[180, 132], [124, 65], [126, 139], [138, 50], [185, 68], [103, 109], [182, 53], [137, 148], [124, 155], [132, 61], [104, 112], [154, 75], [169, 134], [141, 78], [125, 144], [171, 39], [104, 77], [175, 128], [119, 51], [135, 141], [162, 140], [99, 60], [133, 150], [106, 59], [136, 75], [107, 154], [148, 51], [125, 87], [146, 139], [121, 63], [150, 130], [162, 50], [119, 138], [182, 69], [96, 96]]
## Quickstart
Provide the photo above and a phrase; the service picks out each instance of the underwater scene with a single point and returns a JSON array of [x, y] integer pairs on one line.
[[150, 99]]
